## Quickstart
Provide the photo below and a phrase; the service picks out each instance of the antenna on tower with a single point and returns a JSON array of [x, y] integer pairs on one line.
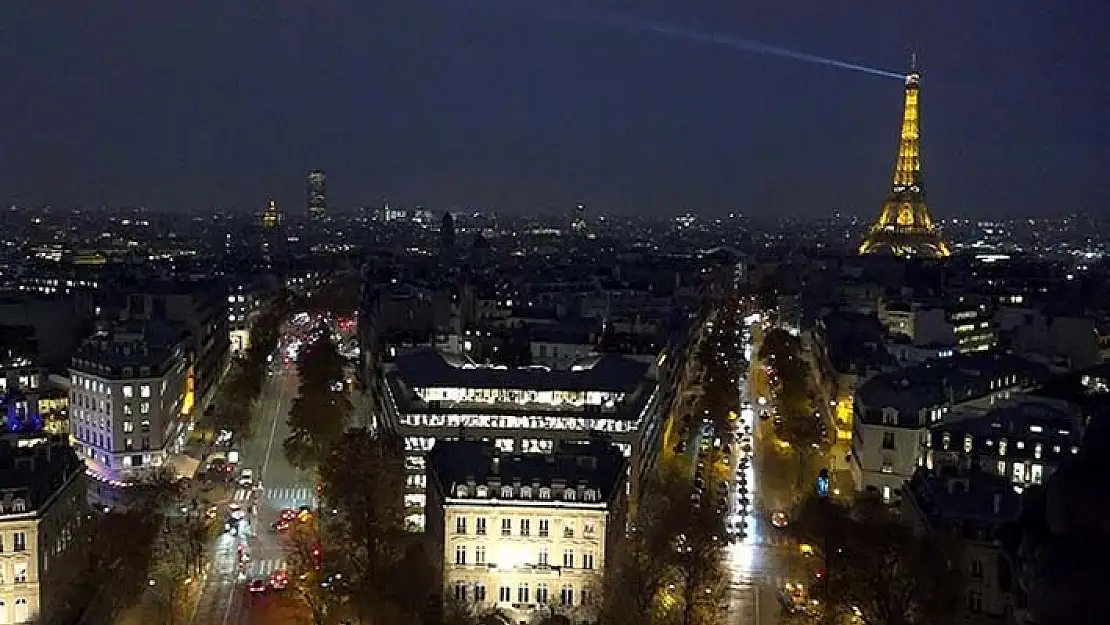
[[913, 62]]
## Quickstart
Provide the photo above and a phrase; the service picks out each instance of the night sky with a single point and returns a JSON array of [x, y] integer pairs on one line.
[[195, 104]]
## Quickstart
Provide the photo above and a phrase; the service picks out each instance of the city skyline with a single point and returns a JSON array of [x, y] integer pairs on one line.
[[449, 107]]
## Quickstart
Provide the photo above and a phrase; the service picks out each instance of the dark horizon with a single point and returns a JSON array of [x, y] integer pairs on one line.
[[441, 104]]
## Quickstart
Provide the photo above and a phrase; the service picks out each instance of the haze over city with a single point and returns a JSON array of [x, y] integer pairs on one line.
[[455, 104]]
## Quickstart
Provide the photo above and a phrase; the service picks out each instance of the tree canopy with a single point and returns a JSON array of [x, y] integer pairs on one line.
[[879, 565]]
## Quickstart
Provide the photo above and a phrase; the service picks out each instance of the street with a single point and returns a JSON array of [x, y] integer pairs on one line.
[[224, 599]]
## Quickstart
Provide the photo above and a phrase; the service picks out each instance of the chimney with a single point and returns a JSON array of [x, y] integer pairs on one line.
[[997, 504]]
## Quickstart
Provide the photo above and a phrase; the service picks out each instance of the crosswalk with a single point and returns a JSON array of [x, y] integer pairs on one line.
[[290, 497], [266, 566]]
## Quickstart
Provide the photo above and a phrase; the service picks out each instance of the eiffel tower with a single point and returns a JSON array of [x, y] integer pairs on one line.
[[904, 227]]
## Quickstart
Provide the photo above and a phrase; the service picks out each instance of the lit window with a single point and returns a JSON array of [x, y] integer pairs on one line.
[[19, 573], [967, 443], [128, 426], [128, 391], [1038, 450], [144, 391], [144, 407]]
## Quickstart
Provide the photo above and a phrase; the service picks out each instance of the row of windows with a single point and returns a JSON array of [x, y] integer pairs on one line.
[[526, 492], [466, 592], [542, 557], [589, 528], [19, 573], [96, 386]]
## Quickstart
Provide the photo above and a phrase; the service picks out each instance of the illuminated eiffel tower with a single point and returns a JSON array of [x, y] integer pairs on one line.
[[904, 227]]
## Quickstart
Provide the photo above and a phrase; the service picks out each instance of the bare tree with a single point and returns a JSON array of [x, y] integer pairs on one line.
[[880, 566]]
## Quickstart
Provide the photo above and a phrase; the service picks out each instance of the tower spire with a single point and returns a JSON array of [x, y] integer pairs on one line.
[[905, 227]]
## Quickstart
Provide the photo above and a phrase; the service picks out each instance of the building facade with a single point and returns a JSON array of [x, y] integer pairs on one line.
[[430, 397], [527, 534], [43, 523], [131, 390], [893, 411]]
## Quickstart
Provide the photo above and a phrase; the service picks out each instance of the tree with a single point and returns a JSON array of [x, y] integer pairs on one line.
[[316, 422], [315, 585], [363, 480], [879, 565], [646, 563], [320, 413]]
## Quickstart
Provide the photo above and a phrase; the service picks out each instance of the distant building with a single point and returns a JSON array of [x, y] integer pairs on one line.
[[130, 386], [44, 523], [527, 534], [962, 326], [447, 233], [271, 217], [317, 194], [893, 411]]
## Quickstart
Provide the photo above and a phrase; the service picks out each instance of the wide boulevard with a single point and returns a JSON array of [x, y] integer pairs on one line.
[[256, 553]]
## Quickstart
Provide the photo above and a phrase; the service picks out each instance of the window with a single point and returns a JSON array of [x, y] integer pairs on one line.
[[568, 558], [976, 568], [568, 495], [543, 556], [21, 613], [506, 492], [144, 391], [144, 407], [479, 592], [525, 527], [974, 602], [588, 528], [541, 593], [128, 426], [588, 560], [505, 594], [586, 596], [460, 525], [128, 391], [946, 441], [888, 440], [19, 541], [461, 491], [545, 493], [506, 527], [522, 593], [1038, 451], [568, 531], [480, 526], [460, 554], [19, 505], [568, 596], [590, 495], [526, 492], [544, 523], [19, 572], [460, 591], [144, 425], [127, 411], [1002, 444], [480, 554]]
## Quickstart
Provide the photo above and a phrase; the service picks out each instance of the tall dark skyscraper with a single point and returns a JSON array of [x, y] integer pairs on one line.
[[317, 194], [447, 233]]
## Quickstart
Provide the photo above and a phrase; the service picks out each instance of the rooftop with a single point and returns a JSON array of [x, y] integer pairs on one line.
[[429, 368], [30, 476], [970, 502], [150, 345], [596, 465], [961, 378]]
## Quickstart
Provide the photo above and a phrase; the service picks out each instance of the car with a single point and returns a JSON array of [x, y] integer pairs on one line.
[[279, 580], [257, 586], [280, 525], [246, 478], [287, 514]]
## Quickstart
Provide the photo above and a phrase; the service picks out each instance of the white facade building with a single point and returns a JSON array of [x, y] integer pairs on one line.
[[129, 391], [526, 534], [43, 519]]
